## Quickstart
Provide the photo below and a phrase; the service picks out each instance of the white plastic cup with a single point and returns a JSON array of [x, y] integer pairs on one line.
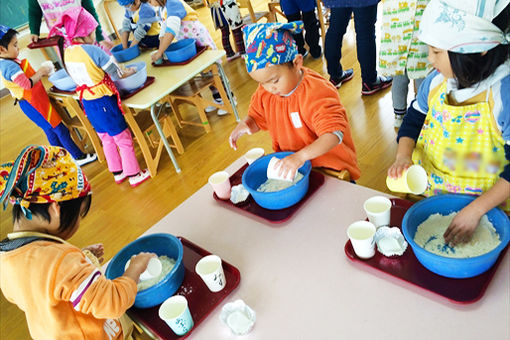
[[154, 268], [361, 234], [209, 268], [175, 312], [413, 180], [273, 171], [378, 210], [220, 182], [253, 154]]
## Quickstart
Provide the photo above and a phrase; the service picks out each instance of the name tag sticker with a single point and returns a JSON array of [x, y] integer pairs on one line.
[[296, 120]]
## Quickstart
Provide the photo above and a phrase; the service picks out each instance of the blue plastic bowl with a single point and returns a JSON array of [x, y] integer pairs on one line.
[[181, 51], [62, 81], [446, 266], [129, 53], [256, 174], [135, 80], [161, 244]]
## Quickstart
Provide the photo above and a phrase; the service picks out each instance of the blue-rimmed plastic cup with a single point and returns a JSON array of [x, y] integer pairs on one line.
[[175, 312]]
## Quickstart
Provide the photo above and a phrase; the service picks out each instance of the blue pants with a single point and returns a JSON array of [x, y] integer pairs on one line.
[[104, 115], [304, 10], [57, 136], [290, 7], [150, 41], [364, 23]]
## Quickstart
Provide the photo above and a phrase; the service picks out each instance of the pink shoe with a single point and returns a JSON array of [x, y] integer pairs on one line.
[[142, 176], [120, 178]]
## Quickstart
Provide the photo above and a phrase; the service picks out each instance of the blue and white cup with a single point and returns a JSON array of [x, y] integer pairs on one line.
[[209, 268], [175, 312]]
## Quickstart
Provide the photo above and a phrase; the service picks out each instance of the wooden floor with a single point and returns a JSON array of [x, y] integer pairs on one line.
[[119, 214]]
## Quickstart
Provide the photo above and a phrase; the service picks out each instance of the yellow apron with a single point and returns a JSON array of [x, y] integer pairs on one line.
[[460, 147]]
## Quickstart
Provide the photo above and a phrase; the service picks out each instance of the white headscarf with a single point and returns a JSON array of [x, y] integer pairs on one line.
[[463, 26]]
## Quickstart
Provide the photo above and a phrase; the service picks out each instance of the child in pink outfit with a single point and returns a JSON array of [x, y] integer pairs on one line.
[[90, 67]]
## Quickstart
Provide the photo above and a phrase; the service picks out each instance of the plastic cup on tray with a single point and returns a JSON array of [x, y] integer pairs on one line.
[[175, 312], [220, 182], [378, 209], [209, 268], [361, 234], [253, 154]]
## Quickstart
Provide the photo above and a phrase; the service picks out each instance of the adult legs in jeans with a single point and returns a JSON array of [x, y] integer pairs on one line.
[[364, 23], [333, 50], [120, 153]]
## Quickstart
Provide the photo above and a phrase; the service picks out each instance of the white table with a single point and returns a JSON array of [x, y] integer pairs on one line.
[[302, 286]]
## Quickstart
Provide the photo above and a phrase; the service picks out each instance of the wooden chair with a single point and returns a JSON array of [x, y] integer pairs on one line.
[[254, 17], [343, 175], [113, 10]]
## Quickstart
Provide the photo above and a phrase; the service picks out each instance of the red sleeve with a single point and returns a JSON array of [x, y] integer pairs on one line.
[[22, 81]]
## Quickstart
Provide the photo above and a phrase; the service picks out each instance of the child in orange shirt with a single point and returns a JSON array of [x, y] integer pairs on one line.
[[300, 109], [64, 296]]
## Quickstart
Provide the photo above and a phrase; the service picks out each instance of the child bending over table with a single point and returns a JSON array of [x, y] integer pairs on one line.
[[141, 19], [64, 296], [301, 109]]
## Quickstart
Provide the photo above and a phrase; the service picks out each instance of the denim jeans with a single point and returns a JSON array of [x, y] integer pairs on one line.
[[364, 24]]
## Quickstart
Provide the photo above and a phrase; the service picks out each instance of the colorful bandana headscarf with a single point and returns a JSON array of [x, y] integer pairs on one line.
[[3, 29], [41, 174], [270, 43], [75, 22], [463, 26]]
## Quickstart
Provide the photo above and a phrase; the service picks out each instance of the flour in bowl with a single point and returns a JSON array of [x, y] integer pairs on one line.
[[429, 235], [167, 264], [272, 185]]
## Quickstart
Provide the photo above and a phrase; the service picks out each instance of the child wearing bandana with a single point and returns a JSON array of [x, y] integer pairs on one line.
[[63, 294], [458, 128], [300, 109]]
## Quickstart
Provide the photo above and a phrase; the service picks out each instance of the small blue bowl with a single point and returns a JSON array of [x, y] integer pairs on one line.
[[181, 51], [458, 268], [256, 174], [161, 244], [62, 81], [135, 80], [129, 53]]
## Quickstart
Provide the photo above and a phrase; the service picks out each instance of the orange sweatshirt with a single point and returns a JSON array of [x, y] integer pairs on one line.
[[63, 295], [296, 121]]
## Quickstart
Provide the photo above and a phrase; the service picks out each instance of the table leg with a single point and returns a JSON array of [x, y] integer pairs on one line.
[[227, 88], [155, 119]]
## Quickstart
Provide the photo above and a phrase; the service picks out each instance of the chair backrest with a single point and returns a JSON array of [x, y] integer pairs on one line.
[[115, 14], [254, 16]]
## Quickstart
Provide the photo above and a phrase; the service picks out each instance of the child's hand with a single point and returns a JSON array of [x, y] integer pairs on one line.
[[138, 265], [397, 168], [288, 166], [34, 38], [462, 227], [45, 70], [128, 71], [241, 129], [97, 250], [156, 56]]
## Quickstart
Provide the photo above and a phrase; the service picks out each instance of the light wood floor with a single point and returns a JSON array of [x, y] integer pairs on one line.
[[119, 214]]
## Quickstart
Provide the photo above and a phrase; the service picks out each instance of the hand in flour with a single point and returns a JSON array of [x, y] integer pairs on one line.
[[289, 165], [138, 265], [462, 227], [97, 250]]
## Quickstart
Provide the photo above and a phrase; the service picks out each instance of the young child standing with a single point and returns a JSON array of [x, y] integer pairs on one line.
[[226, 17], [140, 18], [90, 67], [25, 86], [64, 296], [402, 55], [301, 109], [458, 128]]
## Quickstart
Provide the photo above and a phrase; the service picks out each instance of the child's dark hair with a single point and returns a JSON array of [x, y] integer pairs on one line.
[[6, 39], [69, 211], [471, 68]]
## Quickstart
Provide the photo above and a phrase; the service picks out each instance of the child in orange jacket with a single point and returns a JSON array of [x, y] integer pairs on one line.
[[300, 109], [64, 296]]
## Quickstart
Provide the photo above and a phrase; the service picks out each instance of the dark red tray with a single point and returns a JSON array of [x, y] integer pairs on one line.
[[200, 50], [274, 216], [44, 42], [409, 269], [201, 300], [123, 95]]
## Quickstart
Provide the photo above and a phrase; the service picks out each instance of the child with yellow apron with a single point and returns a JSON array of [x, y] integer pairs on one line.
[[458, 128]]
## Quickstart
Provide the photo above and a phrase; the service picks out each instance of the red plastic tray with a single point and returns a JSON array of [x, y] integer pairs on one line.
[[200, 50], [274, 216], [201, 300], [44, 42], [123, 95], [409, 269]]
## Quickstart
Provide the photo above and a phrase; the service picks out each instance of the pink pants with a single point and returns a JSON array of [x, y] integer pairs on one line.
[[120, 153]]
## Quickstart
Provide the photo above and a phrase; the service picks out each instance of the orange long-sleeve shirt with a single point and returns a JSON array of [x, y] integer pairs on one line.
[[296, 121], [63, 295]]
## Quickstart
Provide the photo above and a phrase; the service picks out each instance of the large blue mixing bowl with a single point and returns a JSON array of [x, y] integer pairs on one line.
[[256, 174], [446, 266], [181, 51], [161, 244], [123, 55]]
